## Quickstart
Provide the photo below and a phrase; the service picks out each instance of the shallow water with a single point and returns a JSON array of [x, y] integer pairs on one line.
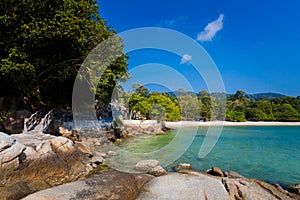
[[271, 154]]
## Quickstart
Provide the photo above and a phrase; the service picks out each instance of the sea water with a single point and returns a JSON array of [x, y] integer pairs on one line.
[[270, 153]]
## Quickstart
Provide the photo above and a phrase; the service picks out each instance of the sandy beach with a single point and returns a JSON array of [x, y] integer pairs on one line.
[[225, 123]]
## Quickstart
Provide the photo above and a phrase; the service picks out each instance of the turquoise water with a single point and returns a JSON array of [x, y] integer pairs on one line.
[[271, 154]]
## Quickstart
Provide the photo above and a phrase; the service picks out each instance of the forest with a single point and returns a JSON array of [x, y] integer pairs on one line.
[[238, 107]]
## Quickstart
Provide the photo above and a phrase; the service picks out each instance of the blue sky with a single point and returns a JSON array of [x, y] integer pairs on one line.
[[255, 44]]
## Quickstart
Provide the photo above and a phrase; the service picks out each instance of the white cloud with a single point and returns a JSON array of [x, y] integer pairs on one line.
[[172, 22], [211, 29], [185, 58]]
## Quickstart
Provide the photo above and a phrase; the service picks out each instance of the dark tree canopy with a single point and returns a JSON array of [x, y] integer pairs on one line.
[[42, 45]]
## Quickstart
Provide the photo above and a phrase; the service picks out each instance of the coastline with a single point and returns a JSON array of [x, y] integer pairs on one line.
[[181, 124], [116, 183]]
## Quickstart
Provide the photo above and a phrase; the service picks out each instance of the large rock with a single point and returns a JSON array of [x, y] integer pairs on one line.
[[109, 185], [183, 186], [192, 185], [41, 157], [239, 187], [151, 167]]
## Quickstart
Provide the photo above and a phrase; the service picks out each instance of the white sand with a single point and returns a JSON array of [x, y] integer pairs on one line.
[[224, 123]]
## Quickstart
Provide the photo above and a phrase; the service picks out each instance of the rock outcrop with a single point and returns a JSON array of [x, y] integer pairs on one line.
[[248, 189], [108, 185], [241, 188], [27, 158]]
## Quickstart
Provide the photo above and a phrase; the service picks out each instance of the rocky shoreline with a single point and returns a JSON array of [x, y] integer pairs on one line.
[[43, 166], [186, 184]]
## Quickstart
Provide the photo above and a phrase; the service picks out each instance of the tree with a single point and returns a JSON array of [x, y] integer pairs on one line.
[[139, 88], [239, 95], [266, 107], [156, 106], [203, 93], [255, 114], [189, 106], [135, 103], [235, 116], [172, 111], [42, 45], [285, 112], [205, 105]]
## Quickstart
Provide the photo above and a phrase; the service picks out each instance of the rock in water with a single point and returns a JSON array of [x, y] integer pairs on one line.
[[112, 153], [182, 166], [146, 165]]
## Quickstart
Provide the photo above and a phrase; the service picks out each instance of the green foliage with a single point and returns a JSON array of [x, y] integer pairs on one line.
[[212, 107], [285, 112], [42, 45], [205, 105], [239, 95], [157, 106], [277, 109], [189, 106], [235, 116], [171, 110], [260, 110], [140, 89], [255, 114]]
